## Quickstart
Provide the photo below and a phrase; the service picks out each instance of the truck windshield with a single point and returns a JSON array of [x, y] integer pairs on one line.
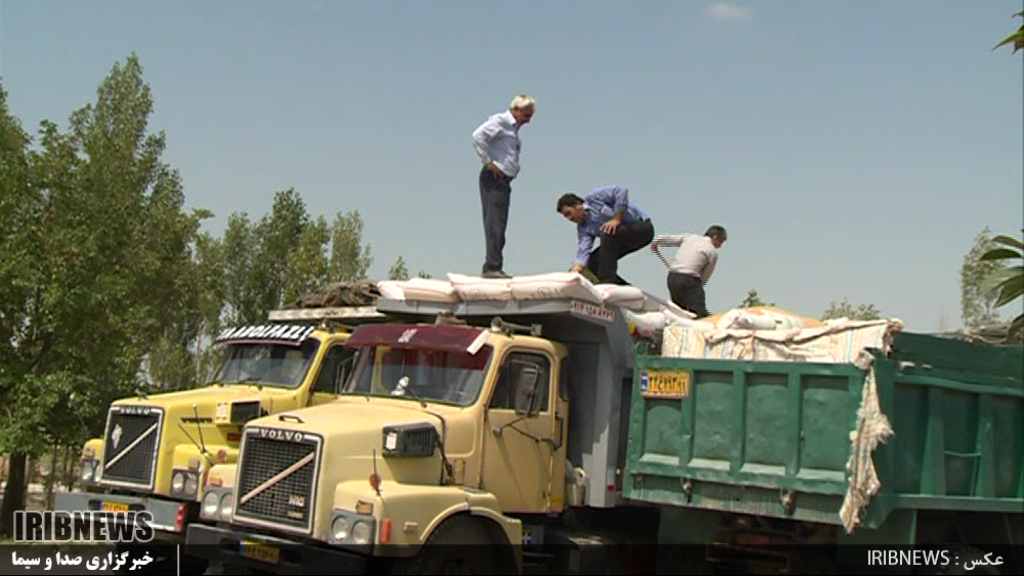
[[421, 374], [269, 363]]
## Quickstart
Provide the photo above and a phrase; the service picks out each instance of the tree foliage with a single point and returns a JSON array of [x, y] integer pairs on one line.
[[846, 309], [398, 270], [1015, 38], [1006, 283], [349, 258], [96, 257], [977, 306], [753, 299]]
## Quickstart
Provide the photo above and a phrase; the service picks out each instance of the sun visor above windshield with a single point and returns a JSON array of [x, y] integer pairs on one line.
[[444, 338], [286, 333]]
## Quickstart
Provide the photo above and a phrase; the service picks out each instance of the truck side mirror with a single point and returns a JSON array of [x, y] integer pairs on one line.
[[527, 402]]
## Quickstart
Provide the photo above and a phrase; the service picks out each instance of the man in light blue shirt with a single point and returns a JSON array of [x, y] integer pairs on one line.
[[496, 142], [606, 213]]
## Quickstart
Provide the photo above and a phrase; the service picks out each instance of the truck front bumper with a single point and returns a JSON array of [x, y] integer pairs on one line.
[[267, 553], [168, 515]]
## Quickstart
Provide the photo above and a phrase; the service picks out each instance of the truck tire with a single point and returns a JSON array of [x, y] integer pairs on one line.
[[460, 545]]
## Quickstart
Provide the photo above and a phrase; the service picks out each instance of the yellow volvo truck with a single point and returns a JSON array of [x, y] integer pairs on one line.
[[157, 449]]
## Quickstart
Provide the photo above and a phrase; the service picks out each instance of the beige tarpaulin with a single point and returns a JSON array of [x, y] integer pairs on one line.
[[872, 429]]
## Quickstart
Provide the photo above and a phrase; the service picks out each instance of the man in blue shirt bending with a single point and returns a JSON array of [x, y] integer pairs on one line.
[[608, 214]]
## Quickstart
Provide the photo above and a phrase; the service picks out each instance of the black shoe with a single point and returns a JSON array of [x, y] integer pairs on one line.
[[495, 274]]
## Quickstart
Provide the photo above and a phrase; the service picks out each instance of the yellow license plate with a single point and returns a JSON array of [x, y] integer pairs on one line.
[[666, 383], [115, 506], [261, 552]]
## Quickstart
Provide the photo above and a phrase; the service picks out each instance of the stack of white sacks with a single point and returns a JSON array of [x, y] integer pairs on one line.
[[756, 333], [646, 316]]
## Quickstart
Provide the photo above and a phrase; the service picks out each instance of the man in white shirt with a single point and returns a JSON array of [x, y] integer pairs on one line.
[[692, 266], [496, 142]]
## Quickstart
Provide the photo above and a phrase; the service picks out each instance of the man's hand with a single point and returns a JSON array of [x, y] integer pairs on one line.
[[610, 226], [494, 168], [576, 268]]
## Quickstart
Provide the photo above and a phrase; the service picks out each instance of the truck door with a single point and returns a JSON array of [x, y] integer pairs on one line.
[[524, 436]]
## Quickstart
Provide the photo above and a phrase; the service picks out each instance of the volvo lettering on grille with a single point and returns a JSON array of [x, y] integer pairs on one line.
[[283, 435]]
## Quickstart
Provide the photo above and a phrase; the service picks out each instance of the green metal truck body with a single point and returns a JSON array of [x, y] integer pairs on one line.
[[771, 440]]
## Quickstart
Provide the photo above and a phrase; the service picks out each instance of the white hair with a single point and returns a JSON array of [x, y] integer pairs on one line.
[[522, 101]]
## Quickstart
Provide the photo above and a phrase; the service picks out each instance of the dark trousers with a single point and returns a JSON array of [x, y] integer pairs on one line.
[[628, 238], [495, 192], [687, 292]]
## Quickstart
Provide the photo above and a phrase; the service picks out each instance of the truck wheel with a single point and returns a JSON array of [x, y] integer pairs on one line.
[[460, 545]]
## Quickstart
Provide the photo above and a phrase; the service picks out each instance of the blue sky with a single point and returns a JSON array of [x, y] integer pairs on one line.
[[852, 149]]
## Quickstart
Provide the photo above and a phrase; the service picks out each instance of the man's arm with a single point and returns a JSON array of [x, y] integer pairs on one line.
[[586, 241], [481, 136], [615, 197], [670, 240], [709, 268]]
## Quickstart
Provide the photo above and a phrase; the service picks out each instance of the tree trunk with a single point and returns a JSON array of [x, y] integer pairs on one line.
[[31, 474], [70, 474], [14, 493], [52, 475]]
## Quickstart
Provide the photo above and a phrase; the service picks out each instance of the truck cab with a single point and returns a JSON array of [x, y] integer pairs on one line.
[[454, 428], [157, 449]]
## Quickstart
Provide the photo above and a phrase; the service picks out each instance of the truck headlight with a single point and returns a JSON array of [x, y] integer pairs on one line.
[[178, 481], [339, 528], [352, 529], [361, 532], [89, 470], [227, 505], [191, 483], [185, 483], [211, 502]]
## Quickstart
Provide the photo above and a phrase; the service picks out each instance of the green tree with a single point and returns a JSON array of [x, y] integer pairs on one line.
[[238, 248], [209, 294], [19, 208], [1006, 284], [977, 307], [845, 309], [398, 270], [280, 237], [753, 299], [423, 274], [95, 248], [307, 266], [349, 258]]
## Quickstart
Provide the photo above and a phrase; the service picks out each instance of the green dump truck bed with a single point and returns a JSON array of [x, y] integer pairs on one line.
[[775, 438]]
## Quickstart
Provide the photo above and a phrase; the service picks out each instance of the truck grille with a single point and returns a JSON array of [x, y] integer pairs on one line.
[[130, 445], [277, 471]]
